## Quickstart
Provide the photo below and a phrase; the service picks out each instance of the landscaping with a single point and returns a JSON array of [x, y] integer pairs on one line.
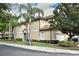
[[61, 45], [68, 44]]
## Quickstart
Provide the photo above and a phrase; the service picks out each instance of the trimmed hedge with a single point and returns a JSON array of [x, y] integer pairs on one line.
[[68, 44], [41, 41], [47, 41], [54, 41], [18, 39], [4, 37]]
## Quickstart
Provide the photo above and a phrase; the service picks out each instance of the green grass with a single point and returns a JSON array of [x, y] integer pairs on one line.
[[15, 42], [41, 45]]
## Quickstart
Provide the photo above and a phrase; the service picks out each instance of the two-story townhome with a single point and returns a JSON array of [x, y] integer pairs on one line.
[[39, 30]]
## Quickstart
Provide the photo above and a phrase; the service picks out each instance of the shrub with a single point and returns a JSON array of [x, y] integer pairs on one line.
[[34, 40], [40, 41], [18, 39], [5, 37], [46, 41], [43, 41], [68, 43], [54, 41]]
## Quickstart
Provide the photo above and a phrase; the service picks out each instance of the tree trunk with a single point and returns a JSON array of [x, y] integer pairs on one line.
[[29, 34], [26, 38], [13, 34], [2, 34], [9, 31]]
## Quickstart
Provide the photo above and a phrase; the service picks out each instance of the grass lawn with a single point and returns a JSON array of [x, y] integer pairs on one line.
[[41, 45]]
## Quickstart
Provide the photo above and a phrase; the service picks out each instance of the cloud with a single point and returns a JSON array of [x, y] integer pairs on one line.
[[43, 5], [46, 7]]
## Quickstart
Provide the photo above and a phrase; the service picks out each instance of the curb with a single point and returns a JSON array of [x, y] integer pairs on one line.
[[44, 49]]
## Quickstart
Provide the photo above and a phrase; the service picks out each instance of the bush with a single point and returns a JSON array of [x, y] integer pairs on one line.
[[47, 41], [18, 39], [68, 43], [43, 41], [4, 37], [54, 41], [34, 40], [40, 41]]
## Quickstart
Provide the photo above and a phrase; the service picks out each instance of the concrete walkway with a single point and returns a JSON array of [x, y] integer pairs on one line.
[[45, 49]]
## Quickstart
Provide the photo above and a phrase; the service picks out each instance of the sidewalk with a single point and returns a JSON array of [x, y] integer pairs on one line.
[[45, 49]]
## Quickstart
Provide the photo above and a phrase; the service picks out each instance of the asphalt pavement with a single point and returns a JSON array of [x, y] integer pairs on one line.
[[6, 50]]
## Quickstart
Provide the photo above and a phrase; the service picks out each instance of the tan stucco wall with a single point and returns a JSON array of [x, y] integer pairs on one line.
[[43, 23], [60, 33], [34, 30], [45, 35], [18, 31], [35, 33]]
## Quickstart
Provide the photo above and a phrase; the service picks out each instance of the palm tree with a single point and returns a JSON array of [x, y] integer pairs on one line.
[[13, 23], [31, 12], [29, 16]]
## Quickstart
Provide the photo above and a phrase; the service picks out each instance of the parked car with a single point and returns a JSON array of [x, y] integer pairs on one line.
[[75, 38]]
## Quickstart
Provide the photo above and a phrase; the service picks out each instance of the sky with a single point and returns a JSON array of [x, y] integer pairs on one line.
[[46, 7]]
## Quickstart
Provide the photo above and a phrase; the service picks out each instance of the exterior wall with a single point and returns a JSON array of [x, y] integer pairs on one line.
[[53, 35], [18, 31], [61, 34], [36, 34], [34, 30], [43, 23], [44, 35]]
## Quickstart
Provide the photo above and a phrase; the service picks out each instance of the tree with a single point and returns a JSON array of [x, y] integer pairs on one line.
[[10, 19], [31, 12], [12, 23], [3, 8], [66, 18], [29, 16], [2, 28]]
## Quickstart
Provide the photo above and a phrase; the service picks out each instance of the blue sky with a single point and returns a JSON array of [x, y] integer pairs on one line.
[[46, 7]]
